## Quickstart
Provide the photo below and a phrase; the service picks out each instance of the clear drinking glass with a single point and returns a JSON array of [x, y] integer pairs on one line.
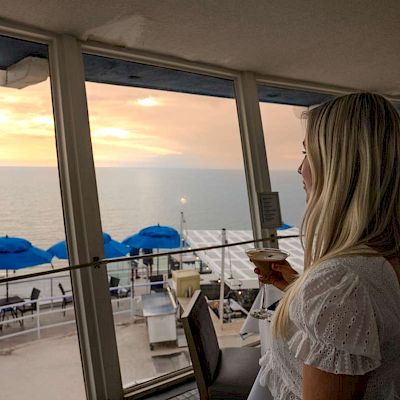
[[263, 258]]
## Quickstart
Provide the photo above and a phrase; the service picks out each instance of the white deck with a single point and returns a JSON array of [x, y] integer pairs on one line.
[[238, 269]]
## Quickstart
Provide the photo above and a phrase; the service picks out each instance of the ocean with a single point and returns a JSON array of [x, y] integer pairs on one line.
[[133, 198]]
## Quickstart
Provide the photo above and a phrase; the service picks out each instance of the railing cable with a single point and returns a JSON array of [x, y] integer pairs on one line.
[[97, 263]]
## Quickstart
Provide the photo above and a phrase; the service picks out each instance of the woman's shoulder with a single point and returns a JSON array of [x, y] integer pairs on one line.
[[348, 266], [354, 279], [343, 275], [335, 319]]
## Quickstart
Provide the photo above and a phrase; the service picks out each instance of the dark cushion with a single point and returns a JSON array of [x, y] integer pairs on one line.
[[205, 339], [237, 371]]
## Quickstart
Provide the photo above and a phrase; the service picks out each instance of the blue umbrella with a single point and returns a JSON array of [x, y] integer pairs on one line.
[[17, 253], [154, 237], [284, 226], [112, 248]]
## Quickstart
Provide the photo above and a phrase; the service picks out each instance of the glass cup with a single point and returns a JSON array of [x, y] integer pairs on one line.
[[263, 258]]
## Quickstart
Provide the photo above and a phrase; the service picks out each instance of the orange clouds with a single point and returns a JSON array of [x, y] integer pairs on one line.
[[146, 128], [26, 126]]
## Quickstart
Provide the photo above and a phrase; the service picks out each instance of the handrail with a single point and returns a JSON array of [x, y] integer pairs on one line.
[[97, 263]]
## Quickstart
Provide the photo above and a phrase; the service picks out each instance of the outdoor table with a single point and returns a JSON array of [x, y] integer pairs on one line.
[[10, 300], [12, 310], [160, 313]]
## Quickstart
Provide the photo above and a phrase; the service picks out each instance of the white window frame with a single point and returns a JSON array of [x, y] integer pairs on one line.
[[92, 303]]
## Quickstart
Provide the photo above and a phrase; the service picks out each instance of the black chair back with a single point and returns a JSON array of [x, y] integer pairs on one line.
[[114, 281], [157, 287], [34, 296], [202, 342]]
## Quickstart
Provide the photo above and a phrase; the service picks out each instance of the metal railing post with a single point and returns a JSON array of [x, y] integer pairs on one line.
[[51, 292], [38, 318], [222, 278]]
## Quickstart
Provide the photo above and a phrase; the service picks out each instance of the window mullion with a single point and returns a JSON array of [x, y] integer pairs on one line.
[[83, 224]]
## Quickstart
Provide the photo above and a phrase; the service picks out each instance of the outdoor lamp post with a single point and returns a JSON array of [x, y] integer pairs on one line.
[[183, 201]]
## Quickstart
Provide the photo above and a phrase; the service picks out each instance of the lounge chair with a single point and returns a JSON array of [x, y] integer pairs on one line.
[[227, 373]]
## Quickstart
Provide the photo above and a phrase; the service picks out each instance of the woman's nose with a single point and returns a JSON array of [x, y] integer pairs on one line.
[[300, 167]]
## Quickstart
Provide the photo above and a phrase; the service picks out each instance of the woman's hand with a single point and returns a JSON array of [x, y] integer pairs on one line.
[[282, 275]]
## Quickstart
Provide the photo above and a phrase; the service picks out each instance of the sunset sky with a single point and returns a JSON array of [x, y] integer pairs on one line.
[[133, 127]]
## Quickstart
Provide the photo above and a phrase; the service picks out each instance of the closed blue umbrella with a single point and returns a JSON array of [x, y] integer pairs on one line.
[[154, 237], [112, 248], [17, 253]]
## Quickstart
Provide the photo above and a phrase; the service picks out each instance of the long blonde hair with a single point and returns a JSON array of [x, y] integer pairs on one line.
[[353, 148]]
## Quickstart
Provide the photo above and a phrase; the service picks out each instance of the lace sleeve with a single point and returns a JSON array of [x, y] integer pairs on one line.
[[337, 328]]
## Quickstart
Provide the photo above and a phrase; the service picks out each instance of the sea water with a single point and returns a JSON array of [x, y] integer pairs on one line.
[[133, 198]]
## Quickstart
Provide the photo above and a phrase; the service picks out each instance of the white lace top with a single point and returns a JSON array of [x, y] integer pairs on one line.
[[345, 320]]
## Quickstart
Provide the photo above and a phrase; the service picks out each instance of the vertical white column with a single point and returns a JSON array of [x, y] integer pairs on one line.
[[183, 201], [82, 222], [181, 239], [222, 278], [254, 153]]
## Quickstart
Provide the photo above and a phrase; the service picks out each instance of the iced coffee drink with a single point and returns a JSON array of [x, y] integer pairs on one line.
[[264, 258]]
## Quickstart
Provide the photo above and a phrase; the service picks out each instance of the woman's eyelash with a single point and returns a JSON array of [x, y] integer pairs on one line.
[[304, 152]]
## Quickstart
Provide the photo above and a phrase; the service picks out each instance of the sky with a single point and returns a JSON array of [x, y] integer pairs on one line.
[[133, 127]]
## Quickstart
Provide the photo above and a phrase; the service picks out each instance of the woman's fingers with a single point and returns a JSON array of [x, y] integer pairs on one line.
[[281, 266]]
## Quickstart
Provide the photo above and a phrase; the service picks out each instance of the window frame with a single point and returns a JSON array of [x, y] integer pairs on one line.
[[96, 333]]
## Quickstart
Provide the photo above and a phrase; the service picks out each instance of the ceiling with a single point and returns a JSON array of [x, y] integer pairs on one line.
[[126, 73], [351, 44]]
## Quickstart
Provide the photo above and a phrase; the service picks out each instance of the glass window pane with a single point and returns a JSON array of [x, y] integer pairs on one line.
[[38, 339], [284, 135], [284, 128], [167, 151]]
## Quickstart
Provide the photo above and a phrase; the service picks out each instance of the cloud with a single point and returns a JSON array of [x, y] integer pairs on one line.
[[183, 130], [129, 144], [43, 120]]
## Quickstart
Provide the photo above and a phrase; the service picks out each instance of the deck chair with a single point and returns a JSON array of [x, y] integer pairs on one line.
[[159, 287], [114, 283], [66, 298], [116, 291], [29, 306], [227, 373]]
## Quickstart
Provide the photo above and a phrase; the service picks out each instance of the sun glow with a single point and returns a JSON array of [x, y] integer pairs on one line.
[[4, 117], [147, 102]]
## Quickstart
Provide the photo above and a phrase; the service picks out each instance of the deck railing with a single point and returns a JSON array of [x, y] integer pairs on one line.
[[51, 301], [51, 306]]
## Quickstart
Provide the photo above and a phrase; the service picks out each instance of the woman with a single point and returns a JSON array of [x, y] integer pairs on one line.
[[336, 332]]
